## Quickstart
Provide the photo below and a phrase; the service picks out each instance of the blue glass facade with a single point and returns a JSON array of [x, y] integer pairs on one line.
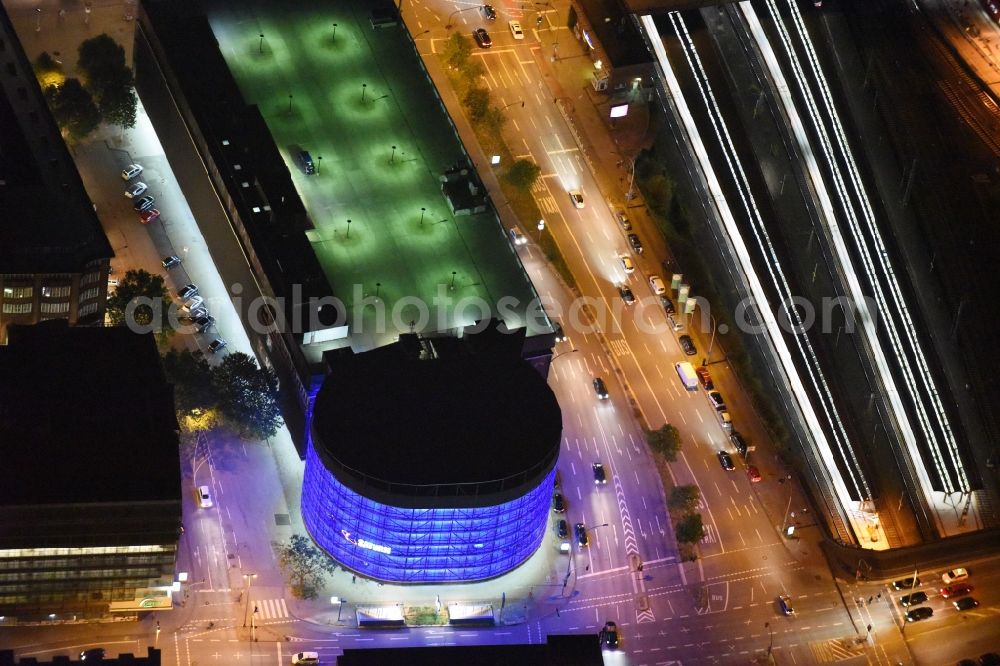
[[421, 545]]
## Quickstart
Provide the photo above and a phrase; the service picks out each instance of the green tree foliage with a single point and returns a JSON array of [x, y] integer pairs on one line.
[[472, 69], [304, 564], [191, 377], [659, 191], [666, 441], [118, 107], [73, 108], [151, 294], [690, 529], [46, 64], [109, 80], [457, 50], [477, 101], [684, 498], [248, 395], [523, 174]]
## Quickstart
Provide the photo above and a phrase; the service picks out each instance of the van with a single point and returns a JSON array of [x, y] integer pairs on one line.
[[687, 375], [309, 658]]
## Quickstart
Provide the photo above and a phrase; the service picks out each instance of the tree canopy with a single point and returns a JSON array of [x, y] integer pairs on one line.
[[109, 80], [457, 49], [247, 395], [304, 564], [523, 174], [73, 108], [191, 377], [690, 529], [665, 440], [684, 498], [148, 292]]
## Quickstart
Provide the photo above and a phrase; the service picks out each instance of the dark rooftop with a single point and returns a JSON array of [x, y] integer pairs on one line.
[[47, 221], [438, 411], [616, 31], [559, 650], [662, 6], [86, 415]]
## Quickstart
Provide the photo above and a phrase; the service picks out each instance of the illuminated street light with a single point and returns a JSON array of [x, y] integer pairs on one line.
[[249, 578], [334, 32], [260, 46]]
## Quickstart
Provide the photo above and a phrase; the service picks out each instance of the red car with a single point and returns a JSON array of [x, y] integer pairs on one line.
[[704, 377], [955, 590], [753, 474], [148, 216]]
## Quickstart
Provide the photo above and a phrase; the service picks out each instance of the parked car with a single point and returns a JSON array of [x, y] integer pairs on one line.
[[136, 189], [193, 303], [515, 29], [559, 503], [626, 293], [488, 12], [143, 203], [918, 614], [740, 443], [217, 345], [131, 171], [785, 605], [204, 323], [204, 497], [726, 461], [576, 196], [171, 261], [609, 635], [715, 398], [656, 285], [600, 477], [148, 216], [95, 654], [956, 590], [627, 264], [600, 390], [580, 530], [965, 603], [482, 38], [633, 240], [905, 583], [623, 221], [668, 305], [955, 576], [704, 377], [687, 345], [187, 291], [305, 659], [914, 599]]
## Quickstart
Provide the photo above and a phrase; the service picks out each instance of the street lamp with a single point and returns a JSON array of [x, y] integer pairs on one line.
[[364, 91], [260, 46], [319, 165], [334, 32], [249, 578], [348, 235], [520, 101], [448, 26], [340, 601], [422, 211], [541, 228], [392, 160], [770, 643], [569, 351], [708, 357], [289, 103]]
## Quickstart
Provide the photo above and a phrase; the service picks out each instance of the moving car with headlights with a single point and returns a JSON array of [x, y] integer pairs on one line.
[[482, 38], [627, 264], [626, 293], [600, 390], [488, 12], [580, 530], [576, 196], [905, 583], [600, 477], [785, 605], [517, 238], [726, 461], [204, 497], [609, 636], [965, 603]]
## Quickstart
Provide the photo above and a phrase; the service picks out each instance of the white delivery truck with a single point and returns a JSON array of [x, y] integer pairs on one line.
[[686, 372]]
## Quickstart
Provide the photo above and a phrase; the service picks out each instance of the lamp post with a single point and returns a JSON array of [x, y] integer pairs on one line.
[[520, 101], [568, 351], [422, 211], [289, 103], [392, 160], [348, 234], [631, 181], [453, 275], [711, 343], [770, 642], [364, 91], [334, 32], [448, 26], [340, 602], [319, 164], [249, 578], [260, 46], [541, 228]]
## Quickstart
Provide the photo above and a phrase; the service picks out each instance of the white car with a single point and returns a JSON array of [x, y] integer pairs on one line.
[[517, 238], [955, 576], [515, 29], [136, 189], [576, 196], [311, 658], [656, 284], [204, 497], [131, 171], [627, 264]]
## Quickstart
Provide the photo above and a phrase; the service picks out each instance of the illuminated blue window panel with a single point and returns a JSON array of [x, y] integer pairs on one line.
[[400, 544]]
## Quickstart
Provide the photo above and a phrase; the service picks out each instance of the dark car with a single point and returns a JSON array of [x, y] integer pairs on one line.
[[912, 599], [989, 659], [623, 220], [785, 605], [600, 477], [216, 345], [918, 614], [740, 443], [143, 203], [626, 294], [171, 261], [715, 398], [204, 323], [97, 654], [482, 38], [580, 530], [489, 13], [306, 161], [600, 389], [187, 291], [965, 603], [633, 240], [560, 335], [905, 583], [609, 635], [687, 345], [726, 461], [562, 529], [559, 503], [668, 305]]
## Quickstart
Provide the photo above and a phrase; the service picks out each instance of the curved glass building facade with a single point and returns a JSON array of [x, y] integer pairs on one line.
[[422, 545]]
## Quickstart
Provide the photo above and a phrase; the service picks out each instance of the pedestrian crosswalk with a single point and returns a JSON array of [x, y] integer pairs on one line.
[[709, 534], [270, 609], [837, 649]]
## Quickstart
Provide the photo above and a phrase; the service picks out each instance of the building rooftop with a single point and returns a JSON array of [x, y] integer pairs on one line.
[[48, 223], [616, 32], [86, 416], [428, 411], [558, 650], [662, 6]]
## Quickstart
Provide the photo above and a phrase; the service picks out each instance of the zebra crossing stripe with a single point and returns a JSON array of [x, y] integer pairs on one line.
[[271, 609]]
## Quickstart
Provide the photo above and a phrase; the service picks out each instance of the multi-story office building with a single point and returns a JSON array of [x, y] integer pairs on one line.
[[90, 504]]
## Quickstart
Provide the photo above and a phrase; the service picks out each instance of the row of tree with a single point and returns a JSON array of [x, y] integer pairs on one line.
[[665, 442], [103, 93]]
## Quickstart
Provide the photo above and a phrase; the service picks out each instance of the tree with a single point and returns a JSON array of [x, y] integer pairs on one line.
[[118, 106], [659, 191], [304, 564], [472, 69], [191, 377], [73, 108], [684, 498], [102, 61], [666, 441], [148, 292], [248, 395], [477, 100], [46, 64], [457, 50], [523, 174], [690, 529]]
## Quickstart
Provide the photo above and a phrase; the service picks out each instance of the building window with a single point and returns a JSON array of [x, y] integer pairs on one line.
[[17, 308], [55, 308], [88, 309], [88, 294], [18, 292], [56, 292]]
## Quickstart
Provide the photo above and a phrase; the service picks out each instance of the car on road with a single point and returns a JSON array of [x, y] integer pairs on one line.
[[187, 291], [576, 196], [633, 240], [148, 216], [623, 221], [627, 264], [517, 238], [626, 293], [204, 497], [740, 443], [559, 503], [193, 303], [305, 659], [515, 29], [136, 189], [482, 38], [989, 659], [560, 335], [726, 461], [704, 377], [488, 12], [172, 261], [562, 529], [753, 474], [715, 398], [204, 323], [955, 576], [956, 590], [687, 345], [785, 605], [656, 285], [600, 476], [143, 203], [965, 603], [131, 171], [609, 636], [914, 599], [600, 390], [196, 313], [668, 305], [580, 530], [217, 345], [918, 614], [905, 583], [96, 654]]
